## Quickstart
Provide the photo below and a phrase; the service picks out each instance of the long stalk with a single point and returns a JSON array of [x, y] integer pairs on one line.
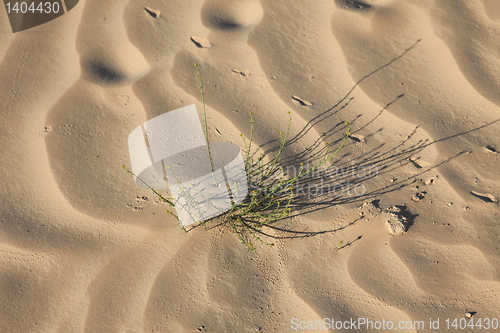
[[200, 81]]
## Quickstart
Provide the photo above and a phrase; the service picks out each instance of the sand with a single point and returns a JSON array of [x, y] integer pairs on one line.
[[83, 249]]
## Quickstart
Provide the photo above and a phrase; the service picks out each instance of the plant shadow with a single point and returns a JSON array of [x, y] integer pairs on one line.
[[338, 184]]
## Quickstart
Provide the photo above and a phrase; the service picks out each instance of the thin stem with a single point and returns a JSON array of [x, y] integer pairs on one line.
[[200, 81]]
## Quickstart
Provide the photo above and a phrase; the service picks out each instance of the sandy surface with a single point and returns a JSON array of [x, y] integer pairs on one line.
[[83, 249]]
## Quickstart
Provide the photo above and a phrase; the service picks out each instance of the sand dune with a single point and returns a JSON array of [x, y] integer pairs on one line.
[[83, 249]]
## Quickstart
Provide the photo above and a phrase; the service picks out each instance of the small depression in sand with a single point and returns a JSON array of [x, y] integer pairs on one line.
[[228, 15]]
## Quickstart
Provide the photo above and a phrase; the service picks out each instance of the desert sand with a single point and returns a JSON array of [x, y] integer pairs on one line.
[[83, 249]]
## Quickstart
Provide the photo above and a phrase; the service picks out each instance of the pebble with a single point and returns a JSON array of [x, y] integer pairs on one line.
[[153, 12], [429, 181], [357, 137], [244, 73], [485, 196], [201, 42], [302, 101], [490, 149], [420, 163], [470, 314], [418, 196]]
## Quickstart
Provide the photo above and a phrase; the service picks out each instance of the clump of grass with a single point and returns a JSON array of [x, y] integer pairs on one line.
[[272, 196], [271, 192]]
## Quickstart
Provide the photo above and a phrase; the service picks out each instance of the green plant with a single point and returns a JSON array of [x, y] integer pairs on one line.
[[271, 191], [205, 122], [271, 196]]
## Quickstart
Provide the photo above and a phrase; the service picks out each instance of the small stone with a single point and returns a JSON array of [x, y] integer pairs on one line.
[[420, 163], [418, 196], [153, 12], [485, 196], [429, 181], [357, 138], [201, 42], [491, 149], [246, 72], [303, 102]]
